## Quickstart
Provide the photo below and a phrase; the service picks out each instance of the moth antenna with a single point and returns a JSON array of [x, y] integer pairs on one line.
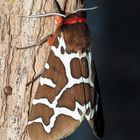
[[85, 9], [44, 15]]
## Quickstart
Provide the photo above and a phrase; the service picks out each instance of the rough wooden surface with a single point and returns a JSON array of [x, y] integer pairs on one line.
[[17, 67]]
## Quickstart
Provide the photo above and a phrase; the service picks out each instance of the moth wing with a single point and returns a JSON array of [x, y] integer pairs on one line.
[[97, 122], [49, 119]]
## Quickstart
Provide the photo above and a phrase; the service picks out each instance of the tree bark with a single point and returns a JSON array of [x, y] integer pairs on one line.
[[17, 67]]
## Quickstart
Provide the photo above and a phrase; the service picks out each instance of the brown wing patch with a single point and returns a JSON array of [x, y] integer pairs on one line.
[[64, 126], [75, 68], [71, 95], [79, 92], [47, 92], [79, 68], [42, 111], [57, 74], [62, 50], [37, 132], [84, 67]]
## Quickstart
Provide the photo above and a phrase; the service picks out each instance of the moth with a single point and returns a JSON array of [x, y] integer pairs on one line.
[[68, 91]]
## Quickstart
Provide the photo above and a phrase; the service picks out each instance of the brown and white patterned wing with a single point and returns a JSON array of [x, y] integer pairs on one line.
[[65, 96], [59, 104]]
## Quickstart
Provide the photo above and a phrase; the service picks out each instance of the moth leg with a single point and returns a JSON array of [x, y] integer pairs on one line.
[[35, 78], [36, 44]]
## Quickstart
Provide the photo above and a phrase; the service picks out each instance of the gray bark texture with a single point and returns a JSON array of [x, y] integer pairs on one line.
[[18, 67]]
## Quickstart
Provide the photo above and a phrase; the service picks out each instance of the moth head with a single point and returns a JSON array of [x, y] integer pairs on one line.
[[64, 18]]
